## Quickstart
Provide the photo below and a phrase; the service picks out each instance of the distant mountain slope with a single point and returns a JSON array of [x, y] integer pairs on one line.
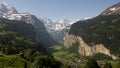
[[16, 36], [20, 27], [41, 34]]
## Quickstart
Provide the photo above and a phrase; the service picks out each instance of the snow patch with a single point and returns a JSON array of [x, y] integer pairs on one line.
[[112, 9]]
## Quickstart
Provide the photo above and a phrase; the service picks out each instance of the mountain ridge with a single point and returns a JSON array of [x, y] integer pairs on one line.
[[102, 29], [41, 32], [112, 10]]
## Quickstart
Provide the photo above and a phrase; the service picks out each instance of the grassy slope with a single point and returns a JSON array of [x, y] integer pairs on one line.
[[18, 63]]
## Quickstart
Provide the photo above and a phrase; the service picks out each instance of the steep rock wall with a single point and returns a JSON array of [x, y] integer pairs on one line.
[[84, 48]]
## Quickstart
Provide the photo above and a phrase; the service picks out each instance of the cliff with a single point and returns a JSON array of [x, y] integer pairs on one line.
[[84, 48]]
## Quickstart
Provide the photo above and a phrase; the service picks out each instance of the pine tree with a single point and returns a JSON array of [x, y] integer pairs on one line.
[[25, 64], [91, 63], [118, 64], [107, 65]]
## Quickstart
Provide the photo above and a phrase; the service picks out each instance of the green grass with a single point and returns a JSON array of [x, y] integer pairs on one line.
[[114, 64], [60, 54], [57, 47], [5, 60], [19, 62]]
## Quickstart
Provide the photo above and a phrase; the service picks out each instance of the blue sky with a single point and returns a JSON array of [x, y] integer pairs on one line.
[[62, 9]]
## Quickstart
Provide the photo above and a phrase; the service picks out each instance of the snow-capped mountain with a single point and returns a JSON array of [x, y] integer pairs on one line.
[[9, 12], [112, 10], [55, 26], [56, 29], [6, 10], [61, 24], [49, 24]]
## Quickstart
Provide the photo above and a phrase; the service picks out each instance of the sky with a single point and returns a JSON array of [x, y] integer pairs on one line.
[[61, 9]]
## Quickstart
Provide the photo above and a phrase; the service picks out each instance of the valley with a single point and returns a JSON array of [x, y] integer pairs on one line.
[[27, 41]]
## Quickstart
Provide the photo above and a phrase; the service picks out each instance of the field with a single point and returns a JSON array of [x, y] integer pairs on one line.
[[13, 61]]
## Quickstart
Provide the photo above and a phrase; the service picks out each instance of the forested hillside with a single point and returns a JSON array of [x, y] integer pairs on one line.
[[101, 29], [17, 45]]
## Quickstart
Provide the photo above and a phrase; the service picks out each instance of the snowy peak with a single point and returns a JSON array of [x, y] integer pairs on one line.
[[56, 29], [48, 23], [112, 10], [27, 17], [5, 8], [55, 26], [61, 24], [46, 20], [9, 12], [63, 21]]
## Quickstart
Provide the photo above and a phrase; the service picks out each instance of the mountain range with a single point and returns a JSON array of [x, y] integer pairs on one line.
[[41, 35], [43, 25], [56, 29]]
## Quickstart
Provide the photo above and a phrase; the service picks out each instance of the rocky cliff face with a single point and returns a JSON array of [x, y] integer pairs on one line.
[[84, 48]]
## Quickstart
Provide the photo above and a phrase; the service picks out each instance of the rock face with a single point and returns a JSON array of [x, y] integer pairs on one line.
[[85, 49]]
